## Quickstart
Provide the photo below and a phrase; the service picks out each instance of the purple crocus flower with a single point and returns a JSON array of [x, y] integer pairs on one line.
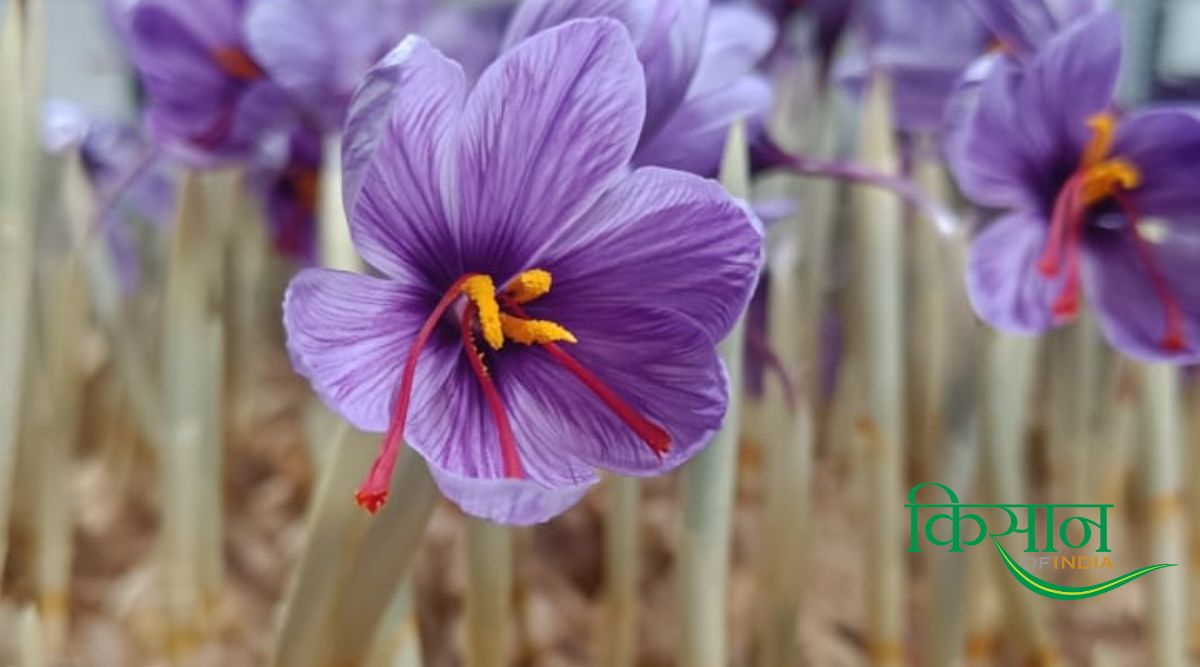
[[923, 47], [319, 51], [1092, 201], [133, 190], [288, 189], [544, 310], [699, 70], [209, 100], [1024, 26]]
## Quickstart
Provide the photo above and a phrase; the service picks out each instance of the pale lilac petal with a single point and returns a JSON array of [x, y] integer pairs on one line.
[[1072, 79], [534, 16], [287, 40], [1003, 282], [737, 38], [1121, 290], [694, 138], [1164, 145], [514, 502], [668, 34], [549, 127], [660, 237], [350, 335], [670, 51], [1025, 25], [397, 161]]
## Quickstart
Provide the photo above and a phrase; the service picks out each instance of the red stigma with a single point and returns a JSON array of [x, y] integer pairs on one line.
[[655, 437], [508, 442], [237, 64], [373, 492], [371, 500], [1174, 338]]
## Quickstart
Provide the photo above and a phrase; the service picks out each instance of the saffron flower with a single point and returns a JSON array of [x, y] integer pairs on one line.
[[544, 311], [209, 99], [923, 47], [287, 186], [1092, 202], [699, 67], [1023, 26], [318, 51], [135, 193]]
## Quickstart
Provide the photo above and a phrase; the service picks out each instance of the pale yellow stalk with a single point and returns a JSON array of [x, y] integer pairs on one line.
[[797, 263], [192, 383], [622, 542], [31, 651], [489, 594], [1166, 530], [879, 231], [707, 487], [21, 67], [1007, 383]]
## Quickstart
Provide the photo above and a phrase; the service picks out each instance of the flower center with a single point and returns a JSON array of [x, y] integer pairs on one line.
[[1098, 178], [500, 317]]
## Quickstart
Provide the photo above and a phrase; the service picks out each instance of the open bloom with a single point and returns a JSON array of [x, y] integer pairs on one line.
[[135, 192], [287, 186], [209, 99], [1023, 26], [319, 50], [699, 67], [923, 47], [544, 310], [1093, 202]]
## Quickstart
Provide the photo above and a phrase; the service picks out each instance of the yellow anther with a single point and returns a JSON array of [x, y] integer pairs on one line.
[[529, 285], [1103, 126], [1105, 178], [531, 332], [482, 292]]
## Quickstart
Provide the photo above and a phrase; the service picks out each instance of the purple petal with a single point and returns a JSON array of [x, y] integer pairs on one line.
[[662, 238], [287, 40], [1072, 79], [549, 127], [669, 35], [517, 502], [1025, 25], [396, 160], [724, 89], [1164, 145], [694, 138], [736, 39], [1003, 282], [452, 426], [1121, 288], [660, 364], [670, 50], [350, 335]]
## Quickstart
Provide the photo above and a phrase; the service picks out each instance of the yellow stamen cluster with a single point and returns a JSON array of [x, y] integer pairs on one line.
[[1106, 178], [497, 326], [532, 332], [1103, 176], [529, 285], [1103, 126], [482, 292]]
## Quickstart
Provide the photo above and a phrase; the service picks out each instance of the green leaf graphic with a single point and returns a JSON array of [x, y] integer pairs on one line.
[[1054, 591]]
